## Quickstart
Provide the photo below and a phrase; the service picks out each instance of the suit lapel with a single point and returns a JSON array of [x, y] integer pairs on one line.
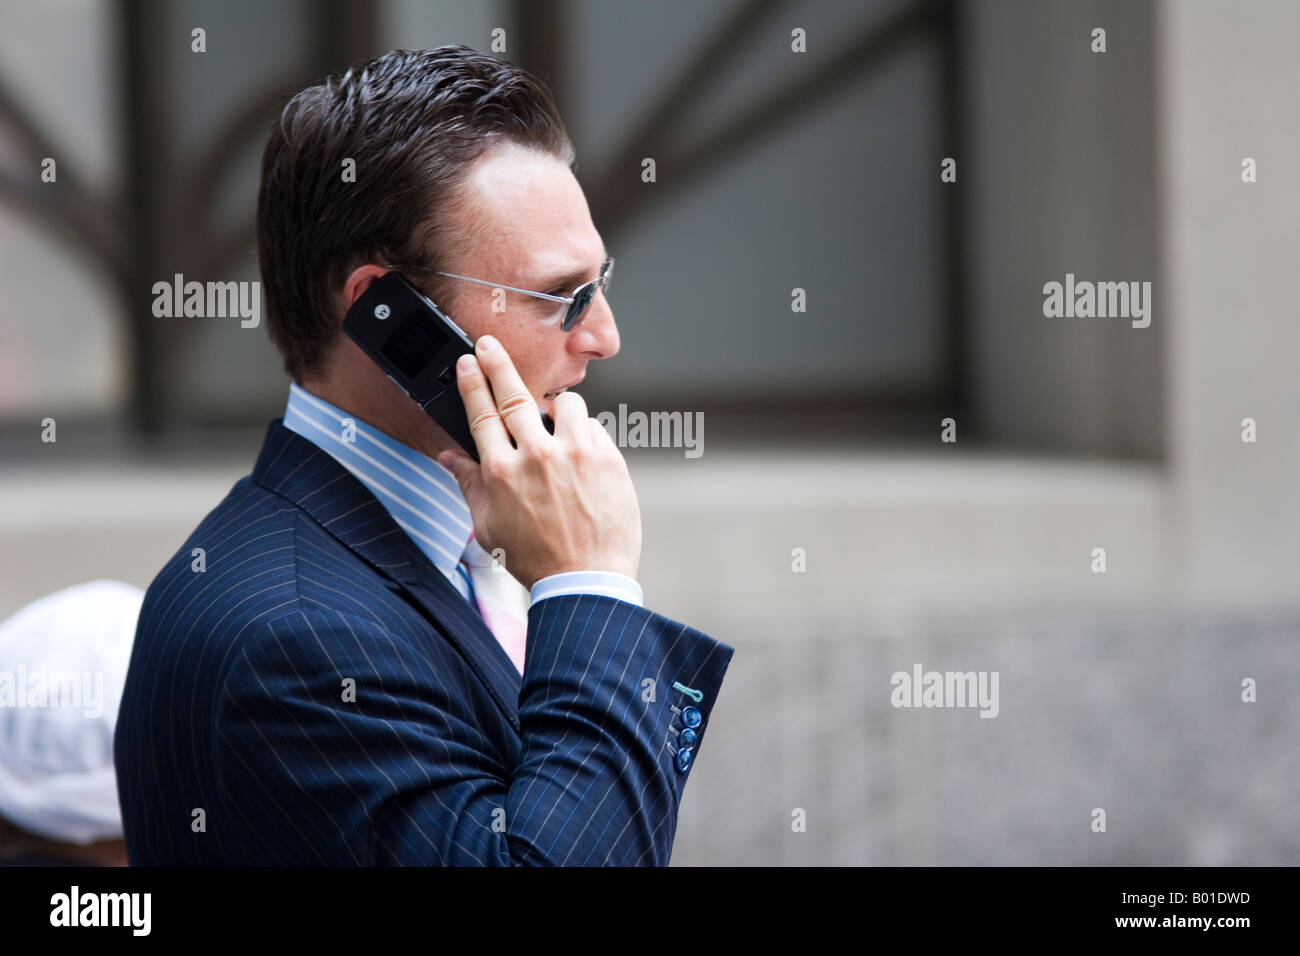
[[309, 477]]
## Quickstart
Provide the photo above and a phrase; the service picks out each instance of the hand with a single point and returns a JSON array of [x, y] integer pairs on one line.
[[554, 503]]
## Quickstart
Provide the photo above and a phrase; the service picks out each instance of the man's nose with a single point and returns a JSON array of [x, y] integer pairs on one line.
[[596, 336]]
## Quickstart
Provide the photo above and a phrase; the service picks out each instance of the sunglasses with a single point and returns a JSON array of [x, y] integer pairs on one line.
[[577, 303]]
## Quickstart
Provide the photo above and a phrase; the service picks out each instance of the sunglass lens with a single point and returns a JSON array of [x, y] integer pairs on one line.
[[581, 299]]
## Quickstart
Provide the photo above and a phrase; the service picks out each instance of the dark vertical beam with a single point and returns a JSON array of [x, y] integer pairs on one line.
[[955, 392], [141, 69], [343, 32], [540, 28]]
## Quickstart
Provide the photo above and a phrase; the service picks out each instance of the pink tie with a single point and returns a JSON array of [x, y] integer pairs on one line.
[[502, 601]]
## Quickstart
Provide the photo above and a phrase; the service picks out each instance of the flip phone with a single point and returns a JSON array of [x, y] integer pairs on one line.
[[417, 345]]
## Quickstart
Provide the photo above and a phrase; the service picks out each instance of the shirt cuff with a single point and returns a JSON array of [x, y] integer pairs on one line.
[[600, 583]]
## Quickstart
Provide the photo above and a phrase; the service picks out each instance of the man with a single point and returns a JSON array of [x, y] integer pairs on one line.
[[333, 669]]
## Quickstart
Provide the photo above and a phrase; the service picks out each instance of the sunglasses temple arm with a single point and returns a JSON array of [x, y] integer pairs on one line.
[[499, 285]]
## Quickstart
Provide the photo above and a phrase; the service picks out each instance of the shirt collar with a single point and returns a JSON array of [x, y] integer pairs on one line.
[[420, 495]]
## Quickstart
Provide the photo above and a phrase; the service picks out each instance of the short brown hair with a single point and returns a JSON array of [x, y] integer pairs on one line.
[[413, 122]]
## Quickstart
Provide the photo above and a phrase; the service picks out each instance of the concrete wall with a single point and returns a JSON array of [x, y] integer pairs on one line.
[[1061, 178], [1229, 82]]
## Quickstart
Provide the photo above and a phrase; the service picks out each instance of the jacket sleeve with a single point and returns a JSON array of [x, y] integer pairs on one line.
[[338, 744]]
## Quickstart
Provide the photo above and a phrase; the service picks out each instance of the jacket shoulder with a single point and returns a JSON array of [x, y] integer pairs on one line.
[[241, 553]]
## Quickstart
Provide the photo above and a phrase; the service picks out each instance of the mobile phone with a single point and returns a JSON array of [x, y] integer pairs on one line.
[[417, 344]]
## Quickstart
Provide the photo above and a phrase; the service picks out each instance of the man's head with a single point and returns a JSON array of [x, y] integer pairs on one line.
[[462, 165]]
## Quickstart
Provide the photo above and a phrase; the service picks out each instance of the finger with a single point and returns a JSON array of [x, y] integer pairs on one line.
[[513, 400], [569, 411], [485, 423], [600, 433]]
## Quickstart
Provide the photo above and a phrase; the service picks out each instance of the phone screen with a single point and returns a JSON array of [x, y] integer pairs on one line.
[[414, 344]]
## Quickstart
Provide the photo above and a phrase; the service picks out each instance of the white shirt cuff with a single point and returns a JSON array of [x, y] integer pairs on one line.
[[600, 583]]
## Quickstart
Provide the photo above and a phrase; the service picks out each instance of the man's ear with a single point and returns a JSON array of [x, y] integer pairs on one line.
[[358, 281]]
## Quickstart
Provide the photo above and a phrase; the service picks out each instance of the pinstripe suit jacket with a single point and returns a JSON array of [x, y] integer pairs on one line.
[[321, 694]]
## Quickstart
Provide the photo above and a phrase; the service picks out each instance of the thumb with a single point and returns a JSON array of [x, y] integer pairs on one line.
[[466, 472]]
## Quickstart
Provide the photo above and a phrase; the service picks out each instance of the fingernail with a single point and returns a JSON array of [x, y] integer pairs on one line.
[[487, 343], [465, 364]]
